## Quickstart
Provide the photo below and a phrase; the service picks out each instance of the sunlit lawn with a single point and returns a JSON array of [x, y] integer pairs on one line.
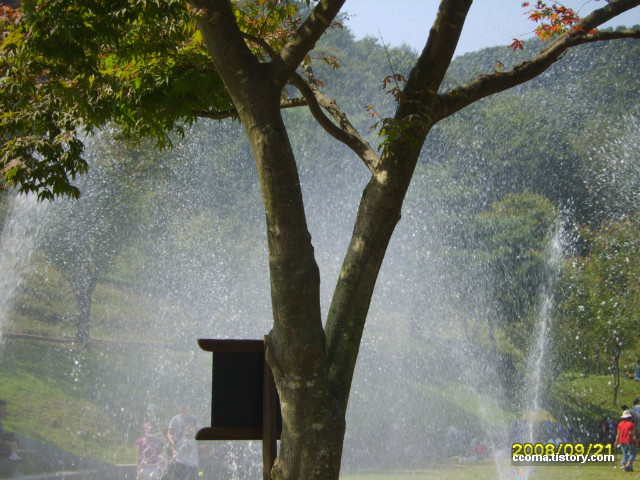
[[487, 470]]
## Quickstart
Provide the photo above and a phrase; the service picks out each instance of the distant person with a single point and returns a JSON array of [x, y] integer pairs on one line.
[[480, 451], [186, 457], [627, 440], [8, 441], [149, 461], [554, 439], [636, 376], [176, 430], [635, 411], [608, 431], [479, 446], [522, 473]]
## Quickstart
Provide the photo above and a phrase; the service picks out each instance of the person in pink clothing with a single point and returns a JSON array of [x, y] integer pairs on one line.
[[149, 461]]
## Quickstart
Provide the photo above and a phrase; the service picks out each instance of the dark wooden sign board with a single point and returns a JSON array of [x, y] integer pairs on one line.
[[244, 400]]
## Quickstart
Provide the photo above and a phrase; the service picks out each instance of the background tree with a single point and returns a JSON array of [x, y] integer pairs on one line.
[[512, 253], [75, 65], [85, 236], [600, 311]]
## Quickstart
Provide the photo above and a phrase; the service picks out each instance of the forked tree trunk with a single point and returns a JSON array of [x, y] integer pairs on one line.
[[313, 420], [313, 371]]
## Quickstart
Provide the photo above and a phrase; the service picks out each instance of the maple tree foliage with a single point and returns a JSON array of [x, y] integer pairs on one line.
[[553, 20], [69, 67]]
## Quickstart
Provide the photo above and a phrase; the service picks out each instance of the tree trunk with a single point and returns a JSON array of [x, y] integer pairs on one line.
[[492, 340], [313, 421], [83, 282], [83, 314], [313, 372], [616, 376]]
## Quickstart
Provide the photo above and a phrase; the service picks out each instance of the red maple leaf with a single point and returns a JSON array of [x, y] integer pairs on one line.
[[517, 44]]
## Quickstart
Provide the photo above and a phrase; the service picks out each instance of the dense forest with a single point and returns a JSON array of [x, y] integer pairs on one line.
[[456, 309]]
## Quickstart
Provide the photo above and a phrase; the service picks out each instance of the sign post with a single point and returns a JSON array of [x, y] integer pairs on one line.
[[244, 399]]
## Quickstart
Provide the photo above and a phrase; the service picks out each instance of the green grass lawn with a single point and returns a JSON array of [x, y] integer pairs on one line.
[[487, 470]]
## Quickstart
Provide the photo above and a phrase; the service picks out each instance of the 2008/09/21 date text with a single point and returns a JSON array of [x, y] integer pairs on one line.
[[561, 449], [549, 453]]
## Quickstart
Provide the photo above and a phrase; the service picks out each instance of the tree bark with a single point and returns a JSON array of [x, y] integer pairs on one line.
[[83, 291]]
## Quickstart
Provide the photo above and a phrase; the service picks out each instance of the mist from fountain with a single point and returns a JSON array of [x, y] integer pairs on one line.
[[414, 372], [532, 396], [193, 271], [205, 288], [19, 236], [536, 362]]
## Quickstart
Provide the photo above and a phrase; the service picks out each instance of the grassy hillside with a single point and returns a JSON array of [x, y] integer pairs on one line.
[[92, 401]]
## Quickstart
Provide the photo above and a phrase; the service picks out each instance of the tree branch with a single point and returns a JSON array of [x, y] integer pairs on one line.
[[224, 40], [262, 43], [306, 37], [596, 18], [605, 36], [344, 131], [484, 86], [233, 113], [431, 67]]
